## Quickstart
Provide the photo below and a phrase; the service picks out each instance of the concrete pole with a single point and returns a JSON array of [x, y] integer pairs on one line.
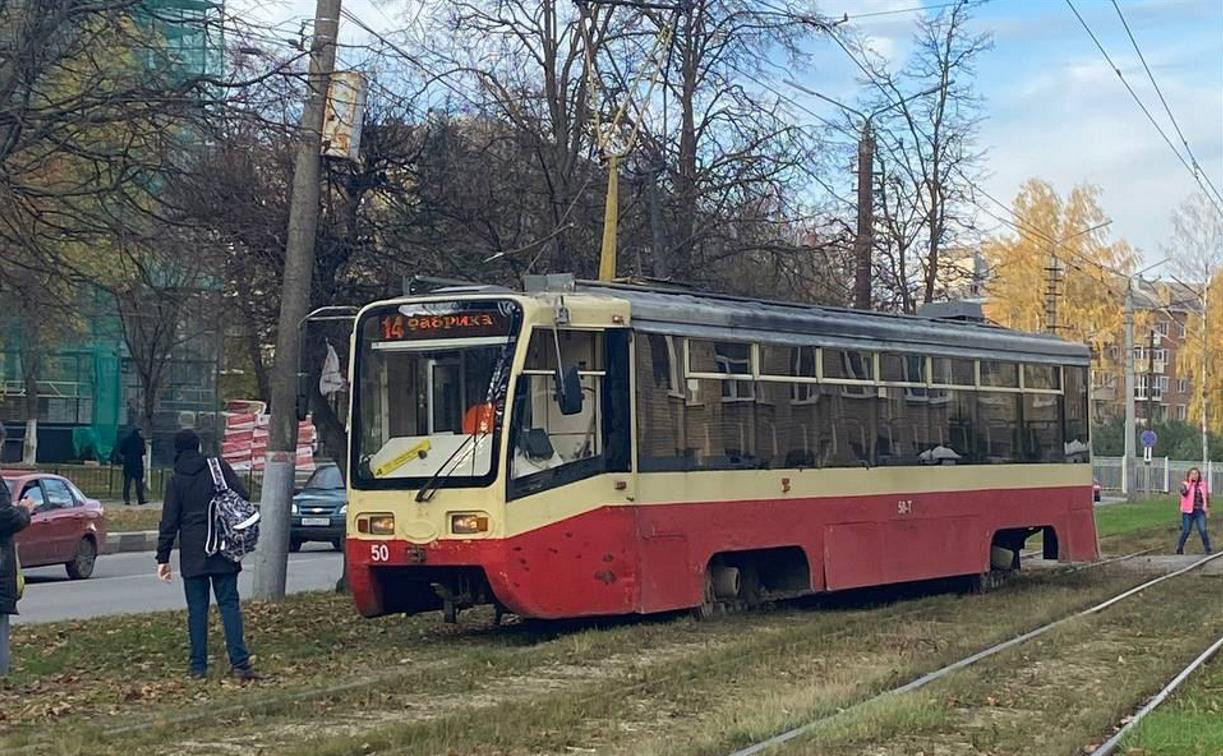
[[272, 556], [1130, 463], [864, 241], [1205, 374]]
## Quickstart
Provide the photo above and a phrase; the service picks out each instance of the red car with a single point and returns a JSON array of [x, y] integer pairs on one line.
[[67, 527]]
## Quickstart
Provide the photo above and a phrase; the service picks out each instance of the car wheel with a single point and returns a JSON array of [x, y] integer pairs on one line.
[[82, 562], [338, 544], [295, 545]]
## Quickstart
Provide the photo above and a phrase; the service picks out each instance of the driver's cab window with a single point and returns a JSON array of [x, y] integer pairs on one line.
[[544, 437]]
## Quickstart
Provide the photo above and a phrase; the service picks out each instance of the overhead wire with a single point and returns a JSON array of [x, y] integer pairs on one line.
[[896, 11], [1142, 106], [1175, 125]]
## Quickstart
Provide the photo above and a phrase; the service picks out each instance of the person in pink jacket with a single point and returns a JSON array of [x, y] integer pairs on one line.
[[1195, 506]]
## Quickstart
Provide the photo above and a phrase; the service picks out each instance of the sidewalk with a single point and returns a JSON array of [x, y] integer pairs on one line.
[[136, 540]]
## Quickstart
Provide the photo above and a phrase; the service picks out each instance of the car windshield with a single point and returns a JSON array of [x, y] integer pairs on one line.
[[327, 477], [430, 389]]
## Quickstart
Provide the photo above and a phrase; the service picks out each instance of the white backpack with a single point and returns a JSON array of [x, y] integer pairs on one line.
[[233, 522]]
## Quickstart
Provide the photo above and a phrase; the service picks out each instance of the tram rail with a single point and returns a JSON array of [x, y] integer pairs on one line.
[[938, 674]]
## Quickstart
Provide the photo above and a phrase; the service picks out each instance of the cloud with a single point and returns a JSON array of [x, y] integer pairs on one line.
[[1069, 119]]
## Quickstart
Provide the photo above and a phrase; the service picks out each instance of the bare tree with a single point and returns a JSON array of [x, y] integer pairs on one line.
[[929, 157]]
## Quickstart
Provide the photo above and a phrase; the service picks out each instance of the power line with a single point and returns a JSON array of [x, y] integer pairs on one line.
[[1023, 228], [845, 17], [1192, 158], [1143, 107]]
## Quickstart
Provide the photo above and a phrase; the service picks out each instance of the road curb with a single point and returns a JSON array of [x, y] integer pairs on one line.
[[122, 543]]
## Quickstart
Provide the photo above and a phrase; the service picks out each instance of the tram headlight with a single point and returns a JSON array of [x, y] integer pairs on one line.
[[468, 523], [376, 524]]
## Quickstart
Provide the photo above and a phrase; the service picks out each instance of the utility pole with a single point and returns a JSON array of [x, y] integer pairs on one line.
[[864, 241], [271, 559], [1205, 374], [1129, 464], [1052, 292], [1151, 380], [662, 266]]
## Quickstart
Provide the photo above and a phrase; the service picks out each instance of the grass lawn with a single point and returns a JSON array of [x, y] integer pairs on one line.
[[1190, 723], [121, 519], [337, 683], [1127, 517]]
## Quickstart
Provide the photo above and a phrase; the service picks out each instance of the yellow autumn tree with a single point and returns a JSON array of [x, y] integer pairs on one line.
[[1208, 333], [1092, 270]]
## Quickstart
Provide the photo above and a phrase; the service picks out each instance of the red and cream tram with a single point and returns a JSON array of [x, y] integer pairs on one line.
[[608, 449]]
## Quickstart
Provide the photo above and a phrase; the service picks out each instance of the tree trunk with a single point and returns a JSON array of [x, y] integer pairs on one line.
[[29, 377], [685, 177]]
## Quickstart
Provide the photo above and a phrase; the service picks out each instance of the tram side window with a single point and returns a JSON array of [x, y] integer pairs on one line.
[[1042, 428], [998, 427], [849, 425], [904, 430], [789, 414], [1076, 447], [661, 430], [788, 427], [953, 428], [720, 431]]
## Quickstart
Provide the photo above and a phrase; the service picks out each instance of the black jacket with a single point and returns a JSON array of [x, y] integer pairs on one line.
[[185, 514], [131, 449], [13, 519]]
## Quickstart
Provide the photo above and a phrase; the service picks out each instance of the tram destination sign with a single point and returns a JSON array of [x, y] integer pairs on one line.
[[468, 322]]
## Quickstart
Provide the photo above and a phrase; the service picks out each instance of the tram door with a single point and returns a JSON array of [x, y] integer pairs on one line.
[[445, 394]]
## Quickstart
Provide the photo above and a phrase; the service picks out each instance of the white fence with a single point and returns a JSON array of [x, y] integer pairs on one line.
[[1162, 475]]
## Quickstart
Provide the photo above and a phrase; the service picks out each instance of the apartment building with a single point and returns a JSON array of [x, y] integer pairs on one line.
[[1162, 392]]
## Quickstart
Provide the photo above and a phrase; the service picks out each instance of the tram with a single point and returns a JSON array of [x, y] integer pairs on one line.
[[580, 449]]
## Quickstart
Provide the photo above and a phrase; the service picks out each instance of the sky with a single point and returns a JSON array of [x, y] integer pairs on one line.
[[1054, 108]]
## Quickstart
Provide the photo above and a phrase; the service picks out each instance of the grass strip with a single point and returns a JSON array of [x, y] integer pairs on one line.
[[1054, 695]]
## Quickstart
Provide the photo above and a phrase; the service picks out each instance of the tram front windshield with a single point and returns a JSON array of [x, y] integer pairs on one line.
[[430, 388]]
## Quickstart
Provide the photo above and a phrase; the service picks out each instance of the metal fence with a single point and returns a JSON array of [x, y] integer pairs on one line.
[[106, 481], [1161, 475]]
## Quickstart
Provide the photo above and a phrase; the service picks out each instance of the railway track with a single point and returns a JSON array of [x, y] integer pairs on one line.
[[938, 674], [1108, 747]]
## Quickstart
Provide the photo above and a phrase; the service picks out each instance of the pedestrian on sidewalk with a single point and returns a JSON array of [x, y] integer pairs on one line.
[[1195, 507], [185, 515], [13, 519], [131, 449]]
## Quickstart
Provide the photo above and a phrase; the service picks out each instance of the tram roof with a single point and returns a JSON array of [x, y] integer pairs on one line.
[[716, 316]]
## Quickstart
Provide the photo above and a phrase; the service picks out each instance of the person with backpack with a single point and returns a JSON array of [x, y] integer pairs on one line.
[[13, 519], [189, 514]]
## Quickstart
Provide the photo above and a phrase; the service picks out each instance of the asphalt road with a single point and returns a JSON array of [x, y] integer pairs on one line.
[[126, 583]]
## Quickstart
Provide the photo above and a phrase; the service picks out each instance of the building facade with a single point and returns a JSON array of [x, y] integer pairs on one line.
[[1162, 391]]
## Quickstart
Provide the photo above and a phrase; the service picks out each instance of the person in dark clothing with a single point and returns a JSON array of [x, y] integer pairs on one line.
[[13, 519], [185, 515], [131, 449]]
